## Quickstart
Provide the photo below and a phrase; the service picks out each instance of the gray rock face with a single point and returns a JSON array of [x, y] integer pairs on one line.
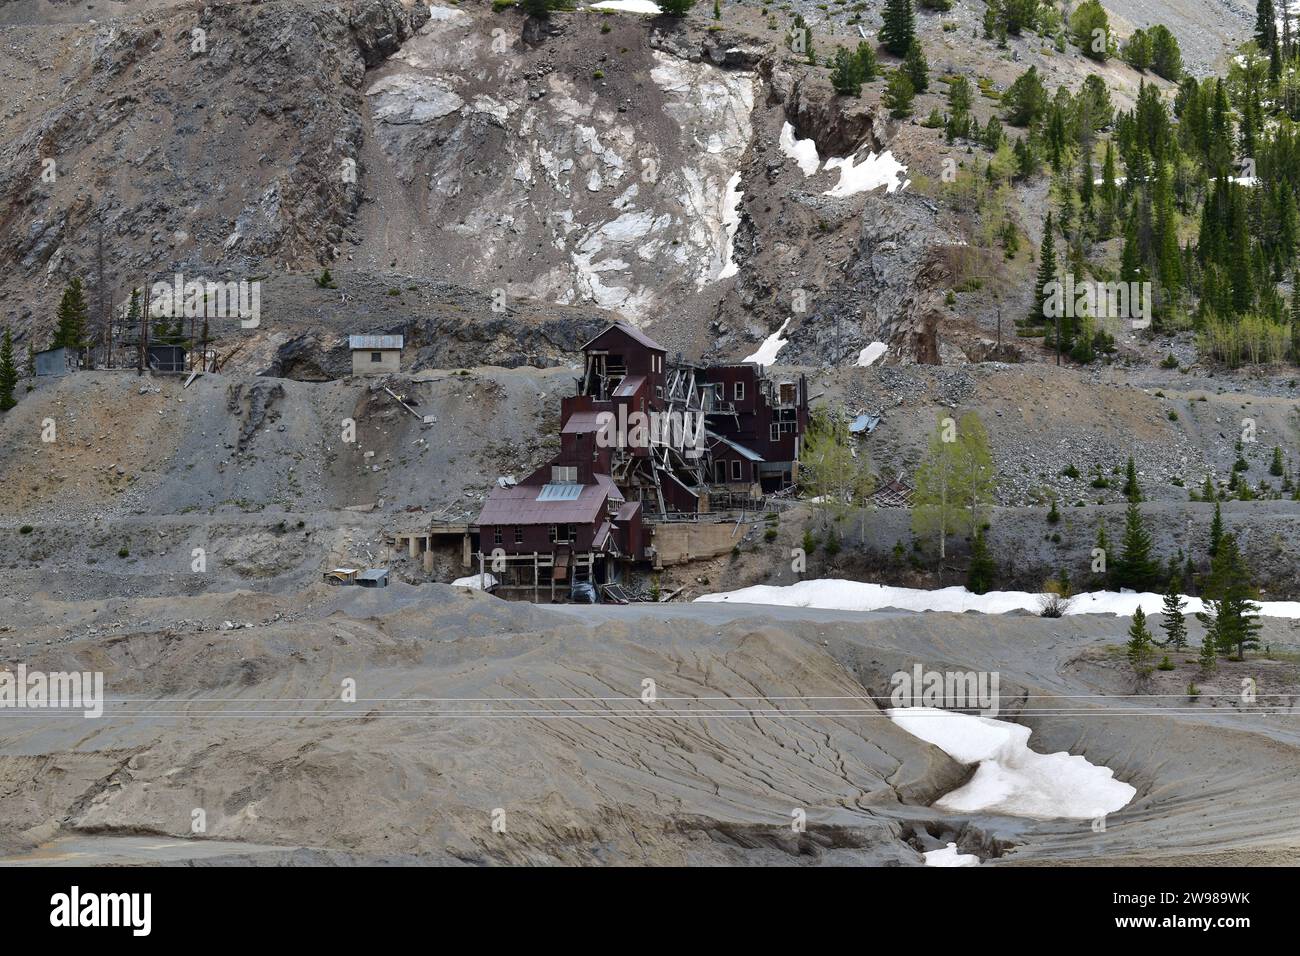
[[557, 174], [214, 153]]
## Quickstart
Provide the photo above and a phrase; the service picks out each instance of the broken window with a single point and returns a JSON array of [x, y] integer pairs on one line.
[[736, 473], [376, 356]]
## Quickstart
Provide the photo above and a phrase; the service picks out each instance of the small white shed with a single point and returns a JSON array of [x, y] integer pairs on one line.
[[375, 354]]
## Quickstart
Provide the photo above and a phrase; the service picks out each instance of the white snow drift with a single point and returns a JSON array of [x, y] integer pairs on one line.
[[773, 344], [802, 151], [834, 594], [1011, 778], [950, 856], [628, 6], [868, 356], [476, 581], [872, 173]]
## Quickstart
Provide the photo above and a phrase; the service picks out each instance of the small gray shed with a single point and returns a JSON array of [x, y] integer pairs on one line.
[[375, 354], [372, 578], [58, 361]]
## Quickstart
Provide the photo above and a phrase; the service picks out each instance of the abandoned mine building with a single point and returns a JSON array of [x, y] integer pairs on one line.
[[647, 446], [375, 354]]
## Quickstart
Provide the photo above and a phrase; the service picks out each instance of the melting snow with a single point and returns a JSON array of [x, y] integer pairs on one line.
[[475, 581], [1011, 778], [730, 222], [628, 6], [766, 355], [802, 151], [949, 856], [871, 173], [860, 596], [871, 353]]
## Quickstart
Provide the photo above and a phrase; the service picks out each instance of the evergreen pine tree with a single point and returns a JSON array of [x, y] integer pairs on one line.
[[1135, 568], [1132, 491], [868, 66], [846, 77], [980, 574], [900, 26], [72, 315], [1265, 25], [1139, 645], [1208, 658], [918, 71], [1046, 274], [1229, 601], [1216, 529], [899, 94], [1172, 619], [8, 373]]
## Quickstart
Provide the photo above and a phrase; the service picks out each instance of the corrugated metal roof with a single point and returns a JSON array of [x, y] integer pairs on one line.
[[635, 334], [521, 505], [741, 449], [581, 422], [611, 489], [357, 342]]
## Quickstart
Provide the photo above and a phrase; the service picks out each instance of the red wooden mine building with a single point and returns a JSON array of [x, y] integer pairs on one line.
[[643, 441]]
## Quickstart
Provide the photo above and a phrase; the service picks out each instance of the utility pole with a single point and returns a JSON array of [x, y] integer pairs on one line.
[[142, 340], [105, 332]]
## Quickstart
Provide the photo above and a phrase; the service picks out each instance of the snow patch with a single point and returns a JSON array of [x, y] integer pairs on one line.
[[475, 581], [1011, 778], [872, 173], [628, 6], [949, 856], [802, 151], [834, 594], [766, 355], [868, 356], [730, 222], [446, 13]]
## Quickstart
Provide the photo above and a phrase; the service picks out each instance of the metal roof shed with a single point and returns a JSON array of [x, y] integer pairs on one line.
[[360, 342], [373, 578]]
